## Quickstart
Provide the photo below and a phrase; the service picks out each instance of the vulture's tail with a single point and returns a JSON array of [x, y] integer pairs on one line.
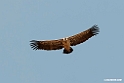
[[67, 52]]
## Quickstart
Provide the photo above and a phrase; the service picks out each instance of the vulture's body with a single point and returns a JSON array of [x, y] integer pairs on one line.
[[65, 42]]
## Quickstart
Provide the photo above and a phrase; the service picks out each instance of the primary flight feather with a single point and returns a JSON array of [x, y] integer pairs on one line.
[[65, 42]]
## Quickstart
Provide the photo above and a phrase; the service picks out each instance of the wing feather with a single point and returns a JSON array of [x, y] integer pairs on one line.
[[46, 45], [83, 36]]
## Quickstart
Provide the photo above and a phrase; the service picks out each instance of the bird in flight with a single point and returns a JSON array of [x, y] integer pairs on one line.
[[66, 42]]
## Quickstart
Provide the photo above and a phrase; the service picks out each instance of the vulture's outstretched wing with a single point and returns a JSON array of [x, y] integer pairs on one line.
[[83, 36], [46, 45]]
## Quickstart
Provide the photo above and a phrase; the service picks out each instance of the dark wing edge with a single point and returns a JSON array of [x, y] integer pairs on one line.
[[94, 29], [34, 44], [83, 36], [46, 45]]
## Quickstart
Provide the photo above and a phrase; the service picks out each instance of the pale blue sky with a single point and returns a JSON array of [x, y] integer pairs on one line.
[[100, 57]]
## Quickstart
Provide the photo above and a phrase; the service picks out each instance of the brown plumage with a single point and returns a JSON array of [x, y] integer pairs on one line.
[[65, 42]]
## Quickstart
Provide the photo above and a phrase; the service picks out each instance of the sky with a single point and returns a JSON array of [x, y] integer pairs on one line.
[[101, 57]]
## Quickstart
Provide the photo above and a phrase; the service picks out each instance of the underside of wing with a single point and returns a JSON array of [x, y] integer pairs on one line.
[[46, 45], [83, 36]]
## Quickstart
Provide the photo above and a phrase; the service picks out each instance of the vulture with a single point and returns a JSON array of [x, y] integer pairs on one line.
[[65, 43]]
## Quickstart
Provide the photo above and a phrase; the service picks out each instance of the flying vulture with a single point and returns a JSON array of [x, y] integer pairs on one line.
[[65, 42]]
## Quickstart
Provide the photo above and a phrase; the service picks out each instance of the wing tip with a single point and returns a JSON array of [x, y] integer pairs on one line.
[[34, 44], [95, 29]]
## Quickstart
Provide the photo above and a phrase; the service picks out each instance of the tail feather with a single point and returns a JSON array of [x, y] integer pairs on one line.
[[67, 52]]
